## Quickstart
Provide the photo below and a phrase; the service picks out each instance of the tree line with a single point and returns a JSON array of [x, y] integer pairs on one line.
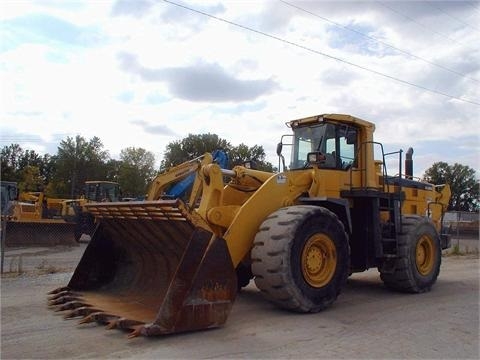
[[63, 175], [463, 183], [77, 160]]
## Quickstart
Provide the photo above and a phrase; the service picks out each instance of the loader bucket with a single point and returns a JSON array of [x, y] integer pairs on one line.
[[44, 232], [152, 268]]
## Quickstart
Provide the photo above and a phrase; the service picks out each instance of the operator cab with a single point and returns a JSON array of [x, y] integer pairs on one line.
[[9, 192], [328, 144], [102, 191]]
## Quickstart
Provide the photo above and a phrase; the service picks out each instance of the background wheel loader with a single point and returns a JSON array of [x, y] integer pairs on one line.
[[33, 219], [94, 191], [167, 266]]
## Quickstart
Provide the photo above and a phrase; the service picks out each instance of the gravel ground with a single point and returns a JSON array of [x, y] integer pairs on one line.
[[366, 322]]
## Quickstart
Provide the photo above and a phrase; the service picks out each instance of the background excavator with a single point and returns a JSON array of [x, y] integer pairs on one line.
[[165, 266]]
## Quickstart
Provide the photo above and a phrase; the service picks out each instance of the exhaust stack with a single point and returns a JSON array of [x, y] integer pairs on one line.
[[409, 164]]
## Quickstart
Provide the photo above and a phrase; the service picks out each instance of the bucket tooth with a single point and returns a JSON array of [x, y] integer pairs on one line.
[[100, 317], [63, 293], [71, 305], [112, 324], [60, 289], [122, 323], [60, 294], [63, 300], [81, 311], [137, 331]]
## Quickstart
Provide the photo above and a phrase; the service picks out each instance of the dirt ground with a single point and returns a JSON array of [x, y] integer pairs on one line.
[[366, 322]]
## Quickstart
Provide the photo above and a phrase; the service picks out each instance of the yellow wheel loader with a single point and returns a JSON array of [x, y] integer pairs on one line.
[[34, 219], [94, 191], [168, 266]]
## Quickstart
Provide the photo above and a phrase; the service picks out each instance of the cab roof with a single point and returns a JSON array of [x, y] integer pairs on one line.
[[100, 182], [341, 118]]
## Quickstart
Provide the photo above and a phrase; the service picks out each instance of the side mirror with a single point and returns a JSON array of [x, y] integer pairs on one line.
[[250, 164], [279, 148], [315, 158], [351, 137]]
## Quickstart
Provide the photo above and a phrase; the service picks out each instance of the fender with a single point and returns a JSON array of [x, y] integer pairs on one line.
[[340, 207]]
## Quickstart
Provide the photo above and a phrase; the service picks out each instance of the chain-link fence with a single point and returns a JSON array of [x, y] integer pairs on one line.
[[36, 233], [39, 233], [462, 223], [464, 229]]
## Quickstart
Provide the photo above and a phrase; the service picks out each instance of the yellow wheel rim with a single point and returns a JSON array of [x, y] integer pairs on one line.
[[425, 255], [319, 260]]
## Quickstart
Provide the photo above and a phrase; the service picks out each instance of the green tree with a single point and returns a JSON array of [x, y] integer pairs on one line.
[[10, 162], [77, 161], [462, 181], [136, 169], [45, 164], [191, 147], [29, 158], [31, 179], [241, 153], [47, 167], [15, 162], [113, 169]]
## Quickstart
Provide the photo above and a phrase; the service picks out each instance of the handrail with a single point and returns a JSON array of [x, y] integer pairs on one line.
[[385, 184]]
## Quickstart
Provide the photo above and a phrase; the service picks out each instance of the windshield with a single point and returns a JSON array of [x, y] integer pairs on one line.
[[306, 139], [102, 192], [337, 142], [9, 192]]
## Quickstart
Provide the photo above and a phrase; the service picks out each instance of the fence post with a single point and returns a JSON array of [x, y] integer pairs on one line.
[[458, 230], [3, 221]]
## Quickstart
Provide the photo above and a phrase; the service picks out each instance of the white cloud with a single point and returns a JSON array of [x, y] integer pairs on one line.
[[145, 73], [200, 82]]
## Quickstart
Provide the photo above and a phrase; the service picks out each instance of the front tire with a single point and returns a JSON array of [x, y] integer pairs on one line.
[[244, 274], [419, 257], [301, 258], [85, 225]]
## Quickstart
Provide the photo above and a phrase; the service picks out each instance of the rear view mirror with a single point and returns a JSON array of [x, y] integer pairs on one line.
[[279, 148], [351, 137]]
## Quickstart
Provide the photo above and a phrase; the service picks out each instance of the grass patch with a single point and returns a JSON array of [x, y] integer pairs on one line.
[[457, 251]]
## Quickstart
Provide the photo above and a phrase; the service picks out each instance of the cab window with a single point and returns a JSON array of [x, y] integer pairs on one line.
[[337, 142], [340, 147], [347, 144]]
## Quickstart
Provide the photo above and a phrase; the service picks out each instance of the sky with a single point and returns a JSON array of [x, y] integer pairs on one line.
[[146, 73]]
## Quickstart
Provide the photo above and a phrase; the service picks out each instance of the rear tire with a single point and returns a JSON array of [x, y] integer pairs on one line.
[[419, 257], [301, 258]]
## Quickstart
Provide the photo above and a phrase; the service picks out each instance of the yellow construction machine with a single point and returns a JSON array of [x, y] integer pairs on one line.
[[34, 219], [168, 266], [94, 191]]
